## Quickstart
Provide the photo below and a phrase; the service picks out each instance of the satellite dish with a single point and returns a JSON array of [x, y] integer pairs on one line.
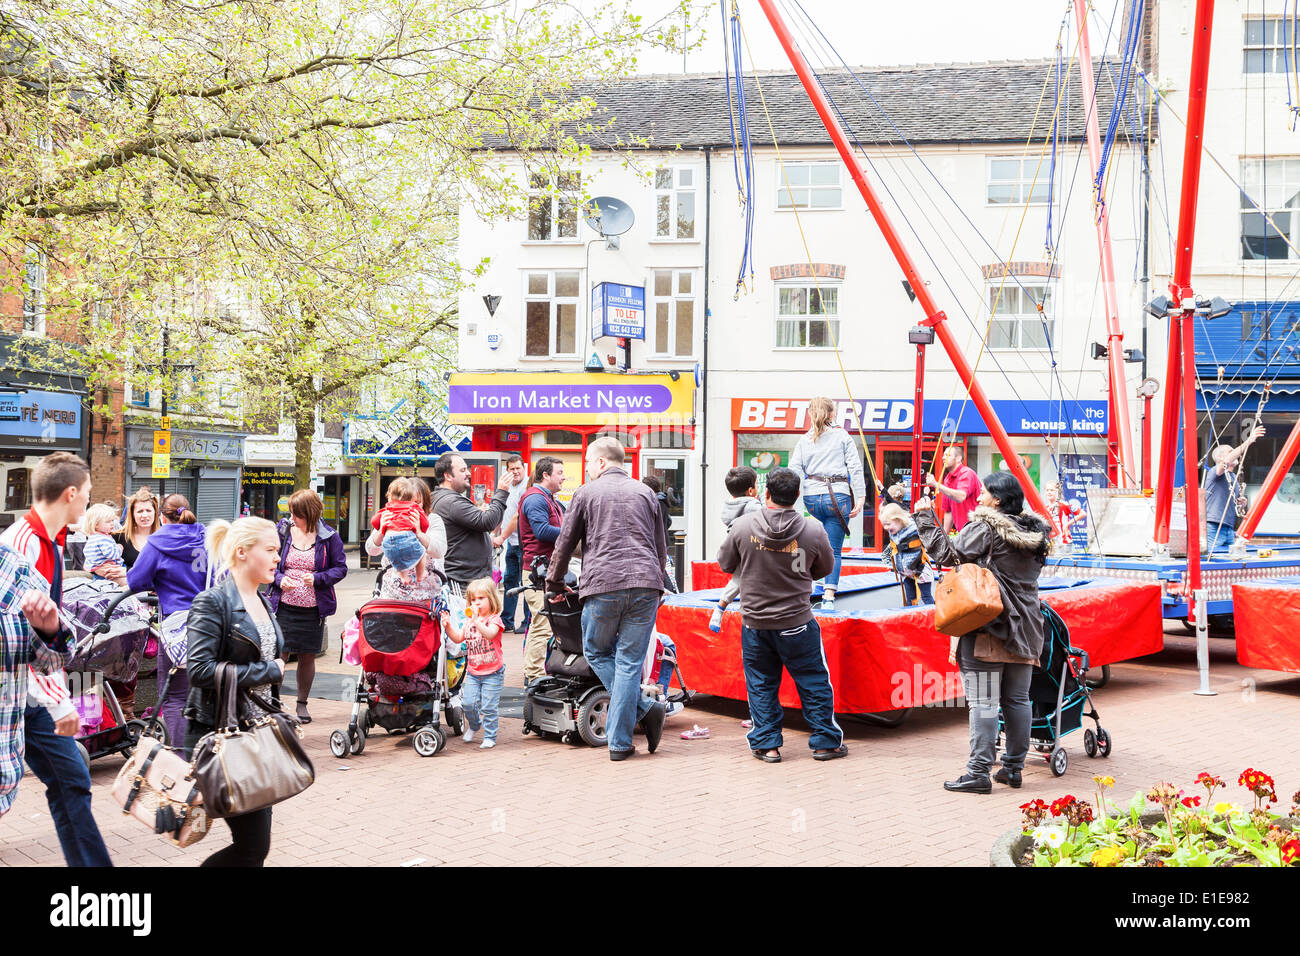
[[609, 216]]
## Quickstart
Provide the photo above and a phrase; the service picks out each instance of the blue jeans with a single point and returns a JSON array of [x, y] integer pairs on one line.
[[513, 578], [909, 592], [57, 763], [1219, 537], [481, 699], [616, 629], [820, 507], [798, 650]]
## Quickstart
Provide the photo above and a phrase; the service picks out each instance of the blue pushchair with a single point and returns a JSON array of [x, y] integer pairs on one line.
[[1060, 698]]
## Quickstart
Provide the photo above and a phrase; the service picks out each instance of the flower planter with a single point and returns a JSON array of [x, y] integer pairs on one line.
[[1011, 846]]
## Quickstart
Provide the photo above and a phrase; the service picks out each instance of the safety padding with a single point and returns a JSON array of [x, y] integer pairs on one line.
[[706, 575], [884, 660], [1266, 616]]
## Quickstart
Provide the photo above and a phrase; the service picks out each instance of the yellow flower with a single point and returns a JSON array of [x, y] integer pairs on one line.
[[1104, 782], [1223, 808], [1107, 856]]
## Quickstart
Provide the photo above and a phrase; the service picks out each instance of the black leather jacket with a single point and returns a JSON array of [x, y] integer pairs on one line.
[[219, 630]]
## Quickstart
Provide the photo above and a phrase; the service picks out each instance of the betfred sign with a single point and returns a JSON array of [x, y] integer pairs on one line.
[[1018, 416]]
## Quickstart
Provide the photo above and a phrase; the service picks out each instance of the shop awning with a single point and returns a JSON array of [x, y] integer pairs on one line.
[[1245, 396]]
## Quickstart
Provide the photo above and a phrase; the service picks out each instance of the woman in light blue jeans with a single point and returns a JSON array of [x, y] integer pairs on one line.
[[830, 463]]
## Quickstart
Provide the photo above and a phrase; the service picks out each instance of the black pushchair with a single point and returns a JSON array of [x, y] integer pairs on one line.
[[1060, 697], [111, 628]]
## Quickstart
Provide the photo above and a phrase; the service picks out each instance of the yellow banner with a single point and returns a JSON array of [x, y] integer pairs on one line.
[[162, 465], [570, 398]]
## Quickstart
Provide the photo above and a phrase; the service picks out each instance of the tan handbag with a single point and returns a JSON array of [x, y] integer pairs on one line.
[[966, 599], [156, 788], [240, 770]]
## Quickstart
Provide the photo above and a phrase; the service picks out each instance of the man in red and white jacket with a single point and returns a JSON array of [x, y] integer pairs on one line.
[[60, 492]]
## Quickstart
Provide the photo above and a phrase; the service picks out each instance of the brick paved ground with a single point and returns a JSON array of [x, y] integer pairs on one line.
[[706, 802]]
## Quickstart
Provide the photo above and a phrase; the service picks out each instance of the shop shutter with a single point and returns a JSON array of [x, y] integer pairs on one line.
[[218, 499], [183, 486]]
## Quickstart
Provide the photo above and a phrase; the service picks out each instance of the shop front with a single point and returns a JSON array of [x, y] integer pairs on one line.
[[35, 423], [205, 468], [558, 414], [766, 430]]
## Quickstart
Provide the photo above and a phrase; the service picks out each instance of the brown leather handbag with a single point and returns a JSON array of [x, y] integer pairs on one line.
[[967, 598], [241, 769], [155, 787]]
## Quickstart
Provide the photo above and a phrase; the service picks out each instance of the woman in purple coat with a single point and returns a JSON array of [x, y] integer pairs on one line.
[[311, 563]]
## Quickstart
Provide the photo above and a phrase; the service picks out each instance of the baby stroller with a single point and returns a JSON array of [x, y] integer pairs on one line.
[[570, 702], [111, 628], [1060, 698], [407, 681]]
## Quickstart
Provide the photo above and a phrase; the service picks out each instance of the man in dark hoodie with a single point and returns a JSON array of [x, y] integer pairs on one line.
[[777, 554], [469, 528]]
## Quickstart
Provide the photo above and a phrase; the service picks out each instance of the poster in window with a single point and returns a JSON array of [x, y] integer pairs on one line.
[[763, 461]]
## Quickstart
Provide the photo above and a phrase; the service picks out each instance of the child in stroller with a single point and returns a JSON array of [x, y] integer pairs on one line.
[[407, 680]]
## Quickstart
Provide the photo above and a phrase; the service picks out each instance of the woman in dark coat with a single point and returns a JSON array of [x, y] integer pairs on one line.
[[1013, 545], [311, 563]]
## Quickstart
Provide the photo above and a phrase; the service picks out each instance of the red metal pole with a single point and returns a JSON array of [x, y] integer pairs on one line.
[[918, 460], [1271, 484], [1121, 429], [934, 316], [1171, 411], [1146, 442]]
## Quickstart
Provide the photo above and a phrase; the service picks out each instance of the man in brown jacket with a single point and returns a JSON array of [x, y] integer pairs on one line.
[[616, 518], [777, 554]]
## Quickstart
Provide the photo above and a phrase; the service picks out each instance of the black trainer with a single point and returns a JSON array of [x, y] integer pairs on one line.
[[1010, 777]]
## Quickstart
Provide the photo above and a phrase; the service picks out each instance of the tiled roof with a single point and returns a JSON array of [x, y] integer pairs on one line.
[[949, 103]]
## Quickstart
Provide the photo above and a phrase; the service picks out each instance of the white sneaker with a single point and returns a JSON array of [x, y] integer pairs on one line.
[[468, 736], [675, 708], [828, 604], [487, 744], [715, 622]]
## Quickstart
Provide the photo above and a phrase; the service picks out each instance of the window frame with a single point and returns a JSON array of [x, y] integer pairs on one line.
[[34, 302], [555, 196], [672, 194], [1022, 183], [1278, 60], [808, 164], [554, 301], [1013, 284], [1244, 210], [810, 285], [652, 311]]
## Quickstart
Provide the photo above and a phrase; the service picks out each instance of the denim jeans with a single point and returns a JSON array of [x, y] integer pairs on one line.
[[820, 507], [513, 578], [1219, 537], [616, 629], [909, 592], [481, 699], [986, 686], [57, 763], [799, 650]]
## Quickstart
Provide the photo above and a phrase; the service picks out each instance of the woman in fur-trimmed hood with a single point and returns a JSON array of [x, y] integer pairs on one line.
[[1013, 545]]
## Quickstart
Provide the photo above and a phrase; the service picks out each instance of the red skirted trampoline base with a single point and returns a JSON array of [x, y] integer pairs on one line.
[[706, 575], [1266, 616], [890, 659]]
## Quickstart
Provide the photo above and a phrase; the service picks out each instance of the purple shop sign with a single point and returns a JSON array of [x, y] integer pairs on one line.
[[559, 399]]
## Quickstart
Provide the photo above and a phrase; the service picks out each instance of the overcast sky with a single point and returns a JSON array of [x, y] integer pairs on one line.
[[889, 32]]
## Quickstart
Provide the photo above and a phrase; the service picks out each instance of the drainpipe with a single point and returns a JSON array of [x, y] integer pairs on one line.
[[703, 417]]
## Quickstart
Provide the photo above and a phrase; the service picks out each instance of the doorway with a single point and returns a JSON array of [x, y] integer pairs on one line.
[[894, 466], [670, 470]]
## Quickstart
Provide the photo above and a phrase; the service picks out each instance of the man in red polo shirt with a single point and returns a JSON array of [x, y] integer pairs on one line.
[[961, 486]]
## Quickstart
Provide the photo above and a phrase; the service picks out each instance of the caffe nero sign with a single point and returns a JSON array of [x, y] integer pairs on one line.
[[40, 420]]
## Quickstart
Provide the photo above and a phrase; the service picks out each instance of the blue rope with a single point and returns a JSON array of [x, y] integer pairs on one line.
[[741, 145], [1051, 168], [1132, 40]]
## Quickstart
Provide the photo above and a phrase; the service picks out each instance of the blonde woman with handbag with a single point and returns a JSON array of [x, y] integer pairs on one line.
[[231, 622]]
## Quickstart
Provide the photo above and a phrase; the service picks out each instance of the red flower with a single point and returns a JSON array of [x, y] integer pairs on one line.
[[1061, 804], [1191, 801], [1208, 780], [1290, 852]]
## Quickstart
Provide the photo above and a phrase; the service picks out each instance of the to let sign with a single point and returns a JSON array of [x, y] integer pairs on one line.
[[617, 310]]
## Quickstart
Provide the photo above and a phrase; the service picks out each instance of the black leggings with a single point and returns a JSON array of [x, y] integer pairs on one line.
[[251, 831]]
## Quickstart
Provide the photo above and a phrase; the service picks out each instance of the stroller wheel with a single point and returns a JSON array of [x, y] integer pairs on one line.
[[1103, 742], [456, 720], [356, 740], [428, 741], [134, 728], [155, 728], [1090, 743], [85, 754], [1103, 680], [1058, 761], [339, 744]]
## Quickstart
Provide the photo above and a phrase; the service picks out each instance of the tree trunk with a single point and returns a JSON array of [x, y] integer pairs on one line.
[[302, 410]]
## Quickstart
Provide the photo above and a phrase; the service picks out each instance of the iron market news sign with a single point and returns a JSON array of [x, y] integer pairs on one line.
[[1019, 417], [557, 398]]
